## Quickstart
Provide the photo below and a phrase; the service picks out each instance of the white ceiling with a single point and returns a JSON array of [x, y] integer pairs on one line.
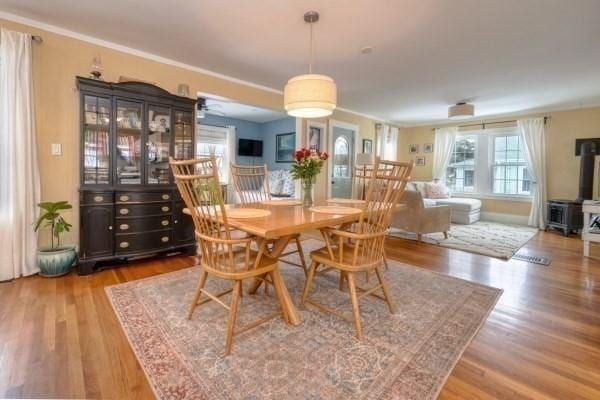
[[503, 55], [242, 111]]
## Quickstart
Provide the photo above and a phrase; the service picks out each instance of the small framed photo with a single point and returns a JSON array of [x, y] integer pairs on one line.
[[315, 136], [428, 148], [420, 161], [367, 146], [413, 148]]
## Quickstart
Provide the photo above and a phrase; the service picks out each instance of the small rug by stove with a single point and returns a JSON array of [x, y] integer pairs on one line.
[[408, 355], [482, 237]]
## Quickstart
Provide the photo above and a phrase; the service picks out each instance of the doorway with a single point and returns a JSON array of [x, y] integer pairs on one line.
[[342, 145]]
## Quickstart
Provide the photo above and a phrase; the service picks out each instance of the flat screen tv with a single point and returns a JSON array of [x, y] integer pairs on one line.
[[250, 148]]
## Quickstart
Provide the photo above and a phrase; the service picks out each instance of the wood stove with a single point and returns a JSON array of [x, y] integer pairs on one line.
[[565, 215]]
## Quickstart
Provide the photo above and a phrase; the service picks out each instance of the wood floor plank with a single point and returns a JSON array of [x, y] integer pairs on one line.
[[60, 338]]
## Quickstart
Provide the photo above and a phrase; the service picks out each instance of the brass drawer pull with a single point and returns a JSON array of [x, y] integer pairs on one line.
[[124, 198], [123, 227], [124, 211], [98, 199], [124, 245], [164, 239], [165, 222], [165, 208], [166, 197]]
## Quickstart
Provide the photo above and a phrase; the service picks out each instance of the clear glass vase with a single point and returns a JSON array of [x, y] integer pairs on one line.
[[308, 188]]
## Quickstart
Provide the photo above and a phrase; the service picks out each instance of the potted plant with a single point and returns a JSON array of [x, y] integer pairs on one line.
[[307, 165], [57, 259]]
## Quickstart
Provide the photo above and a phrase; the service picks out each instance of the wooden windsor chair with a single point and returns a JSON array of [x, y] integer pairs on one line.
[[221, 255], [251, 184], [360, 185], [361, 249]]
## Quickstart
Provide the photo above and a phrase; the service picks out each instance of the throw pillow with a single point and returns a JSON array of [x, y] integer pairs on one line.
[[275, 181], [436, 190]]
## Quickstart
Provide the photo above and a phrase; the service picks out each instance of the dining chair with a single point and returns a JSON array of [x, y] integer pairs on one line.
[[360, 249], [221, 255], [251, 184], [362, 175]]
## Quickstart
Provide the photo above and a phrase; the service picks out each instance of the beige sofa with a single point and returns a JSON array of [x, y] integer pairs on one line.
[[420, 219], [464, 210]]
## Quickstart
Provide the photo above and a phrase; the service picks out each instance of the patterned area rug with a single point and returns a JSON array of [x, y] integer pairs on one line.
[[487, 238], [408, 355]]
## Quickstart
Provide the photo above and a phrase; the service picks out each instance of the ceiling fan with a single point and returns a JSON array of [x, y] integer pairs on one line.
[[203, 109]]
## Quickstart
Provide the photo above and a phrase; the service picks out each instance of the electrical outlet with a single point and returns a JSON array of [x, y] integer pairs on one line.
[[56, 149]]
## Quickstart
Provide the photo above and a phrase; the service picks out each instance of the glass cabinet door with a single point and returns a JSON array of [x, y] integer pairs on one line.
[[158, 146], [96, 144], [129, 143], [184, 135]]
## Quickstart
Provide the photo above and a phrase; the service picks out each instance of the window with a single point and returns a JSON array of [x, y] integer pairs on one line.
[[214, 140], [341, 160], [460, 175], [489, 162], [509, 171]]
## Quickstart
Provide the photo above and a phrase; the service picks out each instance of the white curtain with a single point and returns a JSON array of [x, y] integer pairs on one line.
[[387, 142], [442, 150], [534, 147], [19, 174]]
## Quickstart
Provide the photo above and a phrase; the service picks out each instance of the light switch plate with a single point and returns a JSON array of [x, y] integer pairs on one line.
[[56, 149]]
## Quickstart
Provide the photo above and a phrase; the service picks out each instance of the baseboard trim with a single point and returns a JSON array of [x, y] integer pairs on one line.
[[505, 218]]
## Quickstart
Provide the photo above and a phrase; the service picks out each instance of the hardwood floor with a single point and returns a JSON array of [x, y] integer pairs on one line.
[[60, 338]]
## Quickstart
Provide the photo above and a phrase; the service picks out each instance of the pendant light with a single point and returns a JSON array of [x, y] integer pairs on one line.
[[310, 95], [461, 110]]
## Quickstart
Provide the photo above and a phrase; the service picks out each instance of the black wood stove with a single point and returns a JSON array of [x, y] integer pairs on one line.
[[567, 215]]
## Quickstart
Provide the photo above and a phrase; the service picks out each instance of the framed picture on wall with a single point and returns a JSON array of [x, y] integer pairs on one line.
[[413, 148], [420, 161], [428, 148], [367, 146], [285, 145], [315, 136]]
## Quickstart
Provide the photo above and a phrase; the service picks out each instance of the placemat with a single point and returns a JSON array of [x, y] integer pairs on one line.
[[335, 210]]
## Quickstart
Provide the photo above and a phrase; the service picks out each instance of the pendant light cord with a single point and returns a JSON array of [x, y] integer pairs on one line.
[[311, 49]]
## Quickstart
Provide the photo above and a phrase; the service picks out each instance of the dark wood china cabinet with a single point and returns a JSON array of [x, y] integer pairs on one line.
[[129, 205]]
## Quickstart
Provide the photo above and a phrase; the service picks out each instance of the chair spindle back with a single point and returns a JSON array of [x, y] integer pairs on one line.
[[251, 183]]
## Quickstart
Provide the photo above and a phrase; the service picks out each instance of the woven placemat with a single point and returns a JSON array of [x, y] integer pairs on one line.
[[335, 210], [282, 202], [247, 213], [345, 201]]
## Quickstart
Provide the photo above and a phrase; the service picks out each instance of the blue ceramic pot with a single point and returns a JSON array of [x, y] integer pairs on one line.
[[55, 262]]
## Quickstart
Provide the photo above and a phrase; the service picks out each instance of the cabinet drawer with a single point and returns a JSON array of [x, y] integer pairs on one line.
[[133, 225], [143, 210], [141, 197], [131, 243], [97, 197]]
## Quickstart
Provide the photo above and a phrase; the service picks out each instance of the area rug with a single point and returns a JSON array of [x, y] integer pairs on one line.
[[408, 355], [482, 237]]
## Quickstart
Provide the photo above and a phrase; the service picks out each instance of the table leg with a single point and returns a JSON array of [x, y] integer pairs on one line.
[[278, 247]]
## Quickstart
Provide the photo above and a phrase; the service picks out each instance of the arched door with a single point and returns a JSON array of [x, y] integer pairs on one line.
[[342, 162]]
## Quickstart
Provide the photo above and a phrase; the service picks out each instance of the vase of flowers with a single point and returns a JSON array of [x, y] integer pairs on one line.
[[307, 165]]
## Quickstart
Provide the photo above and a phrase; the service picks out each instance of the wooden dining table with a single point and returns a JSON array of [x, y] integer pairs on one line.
[[279, 227]]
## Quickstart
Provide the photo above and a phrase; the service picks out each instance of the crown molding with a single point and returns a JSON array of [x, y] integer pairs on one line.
[[549, 109], [151, 56]]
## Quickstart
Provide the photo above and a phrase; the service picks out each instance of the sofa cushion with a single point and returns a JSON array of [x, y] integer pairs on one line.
[[436, 190], [429, 202], [420, 187], [461, 203], [288, 186], [275, 182]]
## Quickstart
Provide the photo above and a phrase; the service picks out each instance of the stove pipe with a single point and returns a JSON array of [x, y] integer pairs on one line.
[[586, 173]]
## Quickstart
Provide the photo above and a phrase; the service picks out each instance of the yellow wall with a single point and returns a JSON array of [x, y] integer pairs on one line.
[[56, 63], [562, 167]]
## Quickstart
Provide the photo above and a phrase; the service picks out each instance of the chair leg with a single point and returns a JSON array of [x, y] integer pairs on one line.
[[386, 292], [235, 300], [309, 279], [354, 300], [419, 237], [275, 278], [342, 277], [198, 293], [301, 254], [385, 263], [445, 234]]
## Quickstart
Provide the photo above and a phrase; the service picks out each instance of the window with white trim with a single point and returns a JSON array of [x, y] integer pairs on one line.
[[489, 162], [213, 140]]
